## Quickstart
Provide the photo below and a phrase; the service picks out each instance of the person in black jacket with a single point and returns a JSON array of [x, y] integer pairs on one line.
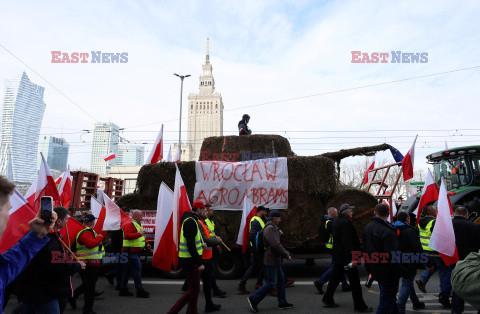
[[116, 246], [44, 286], [345, 240], [410, 244], [467, 239], [243, 125], [380, 242]]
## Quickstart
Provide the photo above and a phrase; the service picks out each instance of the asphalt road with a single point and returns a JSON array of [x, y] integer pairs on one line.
[[165, 292]]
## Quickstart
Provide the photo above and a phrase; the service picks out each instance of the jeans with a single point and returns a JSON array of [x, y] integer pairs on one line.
[[117, 270], [388, 296], [458, 304], [407, 290], [327, 274], [50, 307], [89, 279], [256, 267], [444, 273], [191, 296], [133, 267], [275, 278]]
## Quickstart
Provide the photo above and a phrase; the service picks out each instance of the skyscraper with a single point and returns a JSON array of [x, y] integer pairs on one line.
[[205, 112], [55, 151], [22, 116], [105, 140], [130, 155]]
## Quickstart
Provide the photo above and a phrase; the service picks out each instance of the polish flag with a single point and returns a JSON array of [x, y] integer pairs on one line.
[[70, 231], [18, 218], [59, 179], [181, 205], [372, 165], [99, 211], [177, 156], [443, 236], [157, 151], [115, 218], [44, 185], [408, 161], [249, 210], [169, 157], [109, 156], [164, 249], [429, 194], [65, 189]]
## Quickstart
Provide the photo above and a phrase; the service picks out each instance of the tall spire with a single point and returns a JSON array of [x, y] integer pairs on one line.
[[208, 53]]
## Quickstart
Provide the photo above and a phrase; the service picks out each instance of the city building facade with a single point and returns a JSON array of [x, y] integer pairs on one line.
[[105, 140], [55, 151], [130, 155]]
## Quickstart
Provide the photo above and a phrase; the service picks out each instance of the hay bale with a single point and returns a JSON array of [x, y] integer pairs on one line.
[[358, 151], [363, 201], [237, 148]]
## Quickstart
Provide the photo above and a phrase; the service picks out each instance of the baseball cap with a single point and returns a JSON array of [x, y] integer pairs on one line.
[[88, 218], [198, 204], [345, 207]]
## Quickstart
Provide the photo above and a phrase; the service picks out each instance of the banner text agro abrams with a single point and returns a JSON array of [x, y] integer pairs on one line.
[[225, 184]]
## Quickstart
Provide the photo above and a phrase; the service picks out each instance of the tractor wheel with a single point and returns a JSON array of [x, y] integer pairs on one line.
[[228, 265]]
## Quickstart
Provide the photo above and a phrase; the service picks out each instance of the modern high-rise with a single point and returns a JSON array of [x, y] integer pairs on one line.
[[105, 140], [130, 155], [205, 112], [22, 115], [55, 151]]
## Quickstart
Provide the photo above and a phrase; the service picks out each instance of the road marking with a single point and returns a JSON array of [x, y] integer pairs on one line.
[[371, 291]]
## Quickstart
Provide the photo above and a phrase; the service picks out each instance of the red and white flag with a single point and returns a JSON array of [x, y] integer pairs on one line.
[[177, 156], [164, 249], [443, 235], [181, 205], [18, 217], [249, 210], [70, 231], [59, 179], [408, 161], [115, 218], [109, 156], [99, 211], [65, 189], [370, 167], [429, 194], [169, 157], [157, 151], [44, 185]]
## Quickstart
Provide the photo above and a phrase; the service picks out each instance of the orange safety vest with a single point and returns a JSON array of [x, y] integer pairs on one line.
[[208, 252]]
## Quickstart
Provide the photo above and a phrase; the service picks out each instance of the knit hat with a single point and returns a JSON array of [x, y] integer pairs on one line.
[[345, 207]]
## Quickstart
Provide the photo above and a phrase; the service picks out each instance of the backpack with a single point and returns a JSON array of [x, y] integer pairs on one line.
[[323, 235], [261, 245]]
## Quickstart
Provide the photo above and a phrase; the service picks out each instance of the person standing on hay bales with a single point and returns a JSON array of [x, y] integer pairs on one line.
[[243, 125], [345, 240], [326, 235]]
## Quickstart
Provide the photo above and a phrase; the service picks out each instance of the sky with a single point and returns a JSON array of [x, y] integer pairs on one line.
[[288, 64]]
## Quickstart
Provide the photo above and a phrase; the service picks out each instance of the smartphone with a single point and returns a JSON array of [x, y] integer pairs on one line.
[[46, 207]]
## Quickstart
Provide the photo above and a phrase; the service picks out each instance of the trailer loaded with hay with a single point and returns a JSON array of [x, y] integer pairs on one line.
[[313, 186]]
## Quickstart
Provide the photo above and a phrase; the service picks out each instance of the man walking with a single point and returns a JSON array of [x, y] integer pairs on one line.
[[256, 267], [273, 265], [345, 240], [133, 243], [217, 292]]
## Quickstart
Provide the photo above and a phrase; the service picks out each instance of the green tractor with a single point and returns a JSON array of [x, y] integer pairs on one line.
[[460, 169]]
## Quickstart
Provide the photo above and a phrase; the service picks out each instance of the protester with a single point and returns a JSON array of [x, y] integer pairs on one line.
[[467, 239], [325, 229], [435, 262], [409, 243], [89, 248], [116, 246], [133, 243], [17, 258], [345, 240], [273, 265], [256, 267], [243, 125], [44, 285], [190, 258]]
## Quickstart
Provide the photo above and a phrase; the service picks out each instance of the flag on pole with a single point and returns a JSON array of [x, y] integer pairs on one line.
[[443, 235], [99, 211], [395, 153], [429, 194], [43, 185], [408, 161], [249, 210], [157, 151], [18, 218], [109, 156], [65, 189], [370, 167], [177, 156], [164, 249], [59, 179], [70, 231], [181, 205], [115, 218], [169, 157]]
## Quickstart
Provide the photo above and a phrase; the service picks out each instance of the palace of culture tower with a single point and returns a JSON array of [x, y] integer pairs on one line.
[[205, 113]]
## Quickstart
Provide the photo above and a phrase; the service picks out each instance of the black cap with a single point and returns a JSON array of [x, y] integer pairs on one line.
[[345, 207], [260, 208], [88, 218], [275, 213]]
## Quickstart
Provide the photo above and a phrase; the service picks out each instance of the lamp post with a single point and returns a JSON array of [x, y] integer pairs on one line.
[[180, 121]]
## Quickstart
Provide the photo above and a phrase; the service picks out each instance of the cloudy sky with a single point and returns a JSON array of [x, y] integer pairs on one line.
[[286, 63]]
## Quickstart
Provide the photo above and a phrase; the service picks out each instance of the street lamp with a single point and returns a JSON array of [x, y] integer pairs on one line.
[[180, 121]]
